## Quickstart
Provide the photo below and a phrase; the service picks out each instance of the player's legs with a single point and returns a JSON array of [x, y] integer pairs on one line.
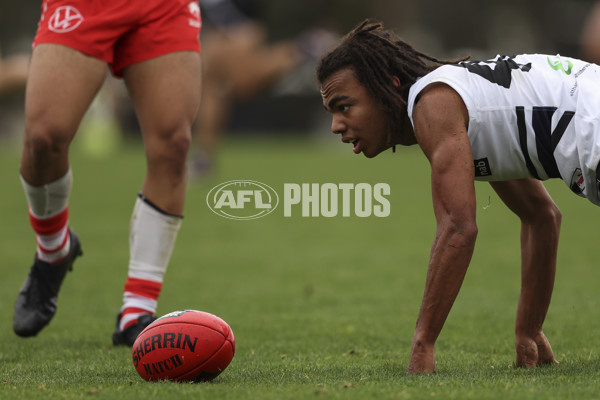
[[215, 109], [61, 84], [165, 92], [540, 218]]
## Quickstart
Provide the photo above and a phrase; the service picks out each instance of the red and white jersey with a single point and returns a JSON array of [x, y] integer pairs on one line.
[[531, 115]]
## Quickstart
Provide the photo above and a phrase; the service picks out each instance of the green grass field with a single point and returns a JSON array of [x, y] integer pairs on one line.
[[320, 307]]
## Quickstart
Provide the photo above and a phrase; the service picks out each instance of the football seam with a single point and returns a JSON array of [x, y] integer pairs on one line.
[[190, 323]]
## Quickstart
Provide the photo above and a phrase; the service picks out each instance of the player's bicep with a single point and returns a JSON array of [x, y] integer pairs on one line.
[[440, 127], [452, 184]]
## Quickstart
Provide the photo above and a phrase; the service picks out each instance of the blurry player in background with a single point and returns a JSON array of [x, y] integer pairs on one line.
[[590, 38], [238, 63], [154, 45], [513, 121], [13, 73]]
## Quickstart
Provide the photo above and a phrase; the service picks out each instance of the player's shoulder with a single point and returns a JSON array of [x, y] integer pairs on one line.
[[444, 74], [445, 81], [439, 101]]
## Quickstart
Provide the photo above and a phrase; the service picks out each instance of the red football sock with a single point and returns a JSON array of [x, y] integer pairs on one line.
[[52, 236], [140, 297]]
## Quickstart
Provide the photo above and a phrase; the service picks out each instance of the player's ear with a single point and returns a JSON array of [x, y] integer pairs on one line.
[[396, 81]]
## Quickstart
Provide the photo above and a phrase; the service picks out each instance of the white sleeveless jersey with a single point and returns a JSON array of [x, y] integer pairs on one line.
[[529, 116]]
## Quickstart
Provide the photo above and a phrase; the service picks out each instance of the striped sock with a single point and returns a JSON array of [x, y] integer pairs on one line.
[[49, 217], [52, 236], [139, 297], [151, 241]]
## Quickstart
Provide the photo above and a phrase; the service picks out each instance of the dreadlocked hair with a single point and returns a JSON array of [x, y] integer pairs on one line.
[[376, 57]]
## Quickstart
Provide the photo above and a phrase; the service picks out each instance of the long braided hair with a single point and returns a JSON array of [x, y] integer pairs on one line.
[[376, 57]]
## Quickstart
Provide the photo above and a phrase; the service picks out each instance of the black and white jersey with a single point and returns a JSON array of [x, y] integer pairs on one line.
[[531, 115]]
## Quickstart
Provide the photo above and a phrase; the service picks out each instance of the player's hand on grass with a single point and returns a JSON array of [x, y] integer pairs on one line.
[[534, 351], [422, 359]]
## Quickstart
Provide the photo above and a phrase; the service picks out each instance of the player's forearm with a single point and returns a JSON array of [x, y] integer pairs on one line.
[[539, 247], [450, 257], [443, 283]]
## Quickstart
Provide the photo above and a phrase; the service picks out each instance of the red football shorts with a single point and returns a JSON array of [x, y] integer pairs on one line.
[[121, 32]]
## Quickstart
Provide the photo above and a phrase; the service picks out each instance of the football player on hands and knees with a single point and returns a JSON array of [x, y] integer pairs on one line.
[[157, 54], [473, 121]]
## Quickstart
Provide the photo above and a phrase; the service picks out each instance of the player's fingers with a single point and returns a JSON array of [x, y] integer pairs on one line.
[[527, 353], [545, 353]]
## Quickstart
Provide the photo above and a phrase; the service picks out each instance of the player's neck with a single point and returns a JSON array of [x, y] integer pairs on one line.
[[406, 136]]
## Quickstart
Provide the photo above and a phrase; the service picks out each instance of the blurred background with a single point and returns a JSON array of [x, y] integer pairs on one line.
[[345, 283], [285, 100]]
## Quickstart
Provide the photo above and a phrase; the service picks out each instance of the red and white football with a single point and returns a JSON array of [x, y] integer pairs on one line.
[[186, 345]]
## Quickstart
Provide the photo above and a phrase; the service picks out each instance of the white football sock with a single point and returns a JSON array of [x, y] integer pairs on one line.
[[151, 241], [152, 237], [49, 216], [48, 200]]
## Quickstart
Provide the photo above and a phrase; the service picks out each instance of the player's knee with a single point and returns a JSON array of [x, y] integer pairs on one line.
[[171, 150], [556, 214], [178, 145], [551, 214], [43, 141]]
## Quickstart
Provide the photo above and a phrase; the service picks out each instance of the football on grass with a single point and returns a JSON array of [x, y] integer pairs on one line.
[[183, 346]]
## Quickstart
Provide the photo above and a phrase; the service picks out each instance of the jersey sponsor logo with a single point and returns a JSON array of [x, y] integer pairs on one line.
[[65, 19], [482, 167], [194, 9], [577, 183], [558, 64]]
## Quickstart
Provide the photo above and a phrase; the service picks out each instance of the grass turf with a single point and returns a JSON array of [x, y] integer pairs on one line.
[[320, 307]]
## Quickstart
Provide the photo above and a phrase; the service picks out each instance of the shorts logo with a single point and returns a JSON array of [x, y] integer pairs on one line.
[[482, 167], [242, 199], [65, 19], [194, 9]]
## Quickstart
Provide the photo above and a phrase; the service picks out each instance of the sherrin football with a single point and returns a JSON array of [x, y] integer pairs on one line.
[[183, 346]]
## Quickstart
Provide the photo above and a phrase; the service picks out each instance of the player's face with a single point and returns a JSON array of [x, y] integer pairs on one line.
[[355, 114]]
